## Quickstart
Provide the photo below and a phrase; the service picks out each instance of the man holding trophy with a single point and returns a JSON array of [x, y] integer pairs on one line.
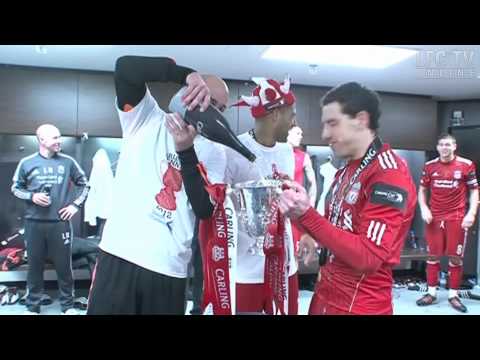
[[266, 280]]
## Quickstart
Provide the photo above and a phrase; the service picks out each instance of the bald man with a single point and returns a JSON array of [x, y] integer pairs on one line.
[[43, 181], [146, 243]]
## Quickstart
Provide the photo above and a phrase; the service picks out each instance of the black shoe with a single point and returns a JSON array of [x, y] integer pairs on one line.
[[457, 304], [426, 300], [46, 300], [467, 294], [422, 287], [23, 299]]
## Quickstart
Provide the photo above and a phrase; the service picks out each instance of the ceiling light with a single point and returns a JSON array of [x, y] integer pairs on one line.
[[363, 56]]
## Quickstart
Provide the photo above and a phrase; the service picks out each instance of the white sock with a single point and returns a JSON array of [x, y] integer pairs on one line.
[[432, 290], [452, 293]]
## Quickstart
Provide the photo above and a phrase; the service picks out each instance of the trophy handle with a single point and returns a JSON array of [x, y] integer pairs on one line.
[[242, 201]]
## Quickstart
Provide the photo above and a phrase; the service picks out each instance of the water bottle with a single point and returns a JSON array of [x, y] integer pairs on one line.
[[47, 189], [211, 124]]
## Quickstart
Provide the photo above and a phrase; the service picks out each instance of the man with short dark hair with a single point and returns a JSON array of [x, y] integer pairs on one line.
[[368, 210], [448, 177]]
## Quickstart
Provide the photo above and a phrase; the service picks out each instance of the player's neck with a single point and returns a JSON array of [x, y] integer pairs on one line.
[[45, 152], [264, 135], [447, 159], [363, 145]]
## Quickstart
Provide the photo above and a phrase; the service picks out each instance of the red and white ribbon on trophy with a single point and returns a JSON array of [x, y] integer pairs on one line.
[[218, 243], [274, 247]]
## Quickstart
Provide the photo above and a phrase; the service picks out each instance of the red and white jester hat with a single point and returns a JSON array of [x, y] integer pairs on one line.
[[268, 95]]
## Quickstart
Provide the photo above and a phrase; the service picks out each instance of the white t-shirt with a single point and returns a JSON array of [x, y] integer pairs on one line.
[[99, 201], [151, 224], [250, 268], [328, 172]]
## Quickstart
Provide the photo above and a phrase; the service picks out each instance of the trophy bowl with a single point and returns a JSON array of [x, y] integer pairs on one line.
[[253, 202]]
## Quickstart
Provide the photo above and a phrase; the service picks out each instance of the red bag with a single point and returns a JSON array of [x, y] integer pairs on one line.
[[15, 258]]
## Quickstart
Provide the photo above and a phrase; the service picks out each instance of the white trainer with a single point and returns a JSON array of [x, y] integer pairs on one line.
[[26, 312], [71, 311]]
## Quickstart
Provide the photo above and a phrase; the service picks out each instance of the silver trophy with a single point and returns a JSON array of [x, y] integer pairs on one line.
[[254, 203]]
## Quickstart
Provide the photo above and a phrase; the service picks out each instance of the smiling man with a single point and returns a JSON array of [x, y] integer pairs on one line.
[[368, 210], [448, 177], [43, 180]]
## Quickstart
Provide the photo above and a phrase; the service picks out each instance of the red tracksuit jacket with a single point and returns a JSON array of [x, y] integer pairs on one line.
[[366, 243]]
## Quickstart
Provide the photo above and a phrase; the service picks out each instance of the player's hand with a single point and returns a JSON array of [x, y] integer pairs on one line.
[[294, 201], [427, 215], [197, 92], [41, 199], [468, 221], [183, 134], [67, 212], [307, 247]]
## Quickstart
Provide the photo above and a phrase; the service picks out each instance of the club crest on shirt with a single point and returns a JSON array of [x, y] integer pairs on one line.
[[352, 195], [61, 169], [457, 174]]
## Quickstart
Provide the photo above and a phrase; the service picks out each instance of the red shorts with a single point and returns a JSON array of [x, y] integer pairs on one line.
[[446, 238], [320, 306], [250, 298]]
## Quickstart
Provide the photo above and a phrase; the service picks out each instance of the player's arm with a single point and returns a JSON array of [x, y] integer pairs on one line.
[[473, 200], [79, 178], [194, 184], [472, 184], [19, 186], [422, 196], [422, 202], [133, 72], [381, 220]]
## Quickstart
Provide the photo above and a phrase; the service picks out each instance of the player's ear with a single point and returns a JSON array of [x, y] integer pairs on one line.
[[364, 118]]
